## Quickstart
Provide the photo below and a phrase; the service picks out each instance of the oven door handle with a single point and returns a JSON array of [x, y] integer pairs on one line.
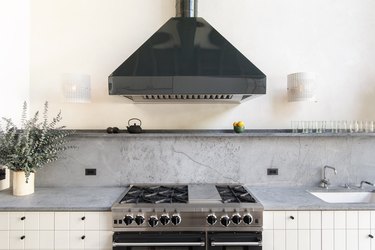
[[252, 243], [159, 244]]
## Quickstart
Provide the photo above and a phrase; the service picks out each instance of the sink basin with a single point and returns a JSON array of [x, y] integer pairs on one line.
[[345, 197]]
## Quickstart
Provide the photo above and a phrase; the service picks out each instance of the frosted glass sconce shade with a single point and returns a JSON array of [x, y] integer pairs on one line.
[[77, 88], [301, 87]]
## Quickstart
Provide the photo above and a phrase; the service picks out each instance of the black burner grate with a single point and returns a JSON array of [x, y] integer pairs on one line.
[[156, 194], [234, 194]]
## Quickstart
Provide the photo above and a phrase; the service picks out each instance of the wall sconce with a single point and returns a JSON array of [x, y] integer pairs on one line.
[[301, 87], [77, 88]]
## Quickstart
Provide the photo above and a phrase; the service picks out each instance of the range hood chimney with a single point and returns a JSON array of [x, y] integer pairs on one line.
[[186, 8], [187, 61]]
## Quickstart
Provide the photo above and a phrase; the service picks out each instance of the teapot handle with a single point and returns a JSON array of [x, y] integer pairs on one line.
[[140, 122]]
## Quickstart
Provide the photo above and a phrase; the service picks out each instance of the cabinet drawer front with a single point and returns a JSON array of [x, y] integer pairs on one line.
[[47, 240], [291, 219], [92, 221], [364, 220], [92, 240], [315, 220], [340, 219], [16, 220], [4, 240], [303, 220], [77, 220], [106, 239], [75, 240], [46, 221], [327, 220], [4, 221], [105, 221], [352, 219], [15, 241], [61, 240], [32, 240], [31, 221], [62, 221], [279, 220]]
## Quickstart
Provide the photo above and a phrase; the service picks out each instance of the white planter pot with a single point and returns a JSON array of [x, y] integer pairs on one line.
[[20, 187]]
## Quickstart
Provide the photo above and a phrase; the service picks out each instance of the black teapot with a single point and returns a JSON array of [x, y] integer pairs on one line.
[[134, 129]]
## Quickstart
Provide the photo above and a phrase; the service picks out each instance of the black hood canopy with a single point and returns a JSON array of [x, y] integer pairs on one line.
[[187, 60]]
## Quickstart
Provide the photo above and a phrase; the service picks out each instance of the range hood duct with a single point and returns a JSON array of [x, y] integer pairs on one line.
[[187, 61]]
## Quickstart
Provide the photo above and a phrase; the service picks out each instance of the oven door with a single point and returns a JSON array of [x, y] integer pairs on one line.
[[234, 240], [159, 240]]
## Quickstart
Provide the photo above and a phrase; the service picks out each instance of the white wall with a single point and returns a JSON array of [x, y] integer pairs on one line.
[[14, 57], [333, 38]]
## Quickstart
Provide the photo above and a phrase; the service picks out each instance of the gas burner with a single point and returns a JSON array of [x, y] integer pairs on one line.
[[234, 194], [156, 194]]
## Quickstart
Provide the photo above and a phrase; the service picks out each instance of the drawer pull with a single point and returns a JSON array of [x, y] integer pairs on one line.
[[371, 236], [83, 218], [291, 217], [83, 237], [23, 218], [23, 237]]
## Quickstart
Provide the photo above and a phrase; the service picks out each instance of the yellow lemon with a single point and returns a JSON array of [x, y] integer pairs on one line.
[[234, 124], [240, 124]]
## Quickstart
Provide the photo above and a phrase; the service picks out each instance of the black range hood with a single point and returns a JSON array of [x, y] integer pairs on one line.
[[187, 60]]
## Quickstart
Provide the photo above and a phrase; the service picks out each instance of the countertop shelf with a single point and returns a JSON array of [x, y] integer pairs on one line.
[[215, 133]]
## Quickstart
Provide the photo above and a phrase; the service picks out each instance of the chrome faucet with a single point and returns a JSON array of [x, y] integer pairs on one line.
[[324, 183], [365, 182]]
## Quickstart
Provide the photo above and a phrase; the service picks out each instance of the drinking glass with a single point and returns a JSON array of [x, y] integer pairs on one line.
[[295, 126]]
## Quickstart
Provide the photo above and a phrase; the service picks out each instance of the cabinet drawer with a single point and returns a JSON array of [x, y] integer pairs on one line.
[[46, 221], [61, 240], [16, 240], [31, 221], [92, 221], [105, 221], [77, 220], [46, 240], [4, 221], [77, 240], [62, 221], [291, 219], [4, 240], [92, 240], [31, 240], [16, 220]]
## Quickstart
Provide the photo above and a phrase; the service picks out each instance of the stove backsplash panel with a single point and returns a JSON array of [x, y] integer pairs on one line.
[[123, 160]]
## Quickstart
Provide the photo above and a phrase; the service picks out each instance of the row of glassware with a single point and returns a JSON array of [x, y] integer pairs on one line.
[[333, 126]]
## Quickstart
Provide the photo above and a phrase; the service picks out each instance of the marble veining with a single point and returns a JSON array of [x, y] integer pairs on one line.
[[211, 159]]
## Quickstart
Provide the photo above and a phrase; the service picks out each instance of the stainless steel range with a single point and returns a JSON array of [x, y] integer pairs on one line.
[[193, 216]]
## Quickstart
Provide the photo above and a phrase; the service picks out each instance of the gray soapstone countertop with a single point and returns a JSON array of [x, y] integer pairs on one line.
[[299, 198], [62, 199]]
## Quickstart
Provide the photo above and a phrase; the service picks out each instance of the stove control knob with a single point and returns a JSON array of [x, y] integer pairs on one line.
[[128, 219], [139, 219], [248, 219], [225, 220], [176, 219], [164, 219], [153, 221], [236, 219], [211, 219]]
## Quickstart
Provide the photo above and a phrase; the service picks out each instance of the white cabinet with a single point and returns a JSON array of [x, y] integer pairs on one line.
[[319, 230], [55, 230]]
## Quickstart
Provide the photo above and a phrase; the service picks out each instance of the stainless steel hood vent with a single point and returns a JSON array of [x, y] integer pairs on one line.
[[187, 61]]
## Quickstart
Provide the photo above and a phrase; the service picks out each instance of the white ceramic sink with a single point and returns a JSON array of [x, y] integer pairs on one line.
[[345, 197]]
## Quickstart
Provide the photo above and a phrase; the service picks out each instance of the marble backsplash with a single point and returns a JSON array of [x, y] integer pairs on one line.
[[200, 159]]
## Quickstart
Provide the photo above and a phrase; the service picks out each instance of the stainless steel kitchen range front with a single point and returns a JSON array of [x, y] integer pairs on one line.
[[194, 216]]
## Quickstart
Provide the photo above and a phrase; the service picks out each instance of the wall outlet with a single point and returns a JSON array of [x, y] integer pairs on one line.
[[90, 171], [272, 171]]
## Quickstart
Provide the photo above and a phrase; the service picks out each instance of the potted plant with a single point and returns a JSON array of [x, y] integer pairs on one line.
[[26, 149]]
